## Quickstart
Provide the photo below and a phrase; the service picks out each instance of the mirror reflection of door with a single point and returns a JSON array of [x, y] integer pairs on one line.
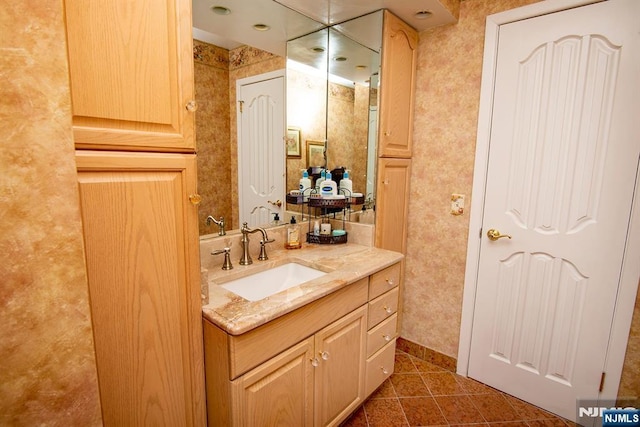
[[261, 132]]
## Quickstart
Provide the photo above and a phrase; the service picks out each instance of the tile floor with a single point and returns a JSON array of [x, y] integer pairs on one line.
[[422, 394]]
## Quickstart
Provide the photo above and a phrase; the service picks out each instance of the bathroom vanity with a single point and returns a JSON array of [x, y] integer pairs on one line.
[[310, 354]]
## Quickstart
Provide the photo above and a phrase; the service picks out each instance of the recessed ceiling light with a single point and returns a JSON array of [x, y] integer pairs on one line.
[[340, 58], [261, 27], [361, 67], [423, 14], [318, 49], [220, 10]]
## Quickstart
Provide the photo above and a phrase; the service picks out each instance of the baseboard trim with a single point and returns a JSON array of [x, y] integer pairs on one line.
[[442, 360]]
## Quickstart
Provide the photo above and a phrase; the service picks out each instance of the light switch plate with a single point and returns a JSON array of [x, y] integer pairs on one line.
[[457, 204]]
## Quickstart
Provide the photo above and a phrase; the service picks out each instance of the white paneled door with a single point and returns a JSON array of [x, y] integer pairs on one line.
[[261, 156], [564, 150]]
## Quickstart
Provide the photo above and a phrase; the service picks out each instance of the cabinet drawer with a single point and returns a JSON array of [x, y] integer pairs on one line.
[[384, 280], [379, 367], [382, 334], [382, 307]]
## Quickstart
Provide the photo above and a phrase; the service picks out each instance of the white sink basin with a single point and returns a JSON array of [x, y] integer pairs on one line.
[[266, 283]]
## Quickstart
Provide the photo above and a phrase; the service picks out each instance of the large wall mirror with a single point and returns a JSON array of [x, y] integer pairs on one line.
[[331, 103], [338, 66]]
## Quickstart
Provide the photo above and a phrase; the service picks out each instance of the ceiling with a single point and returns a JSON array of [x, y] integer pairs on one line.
[[236, 29]]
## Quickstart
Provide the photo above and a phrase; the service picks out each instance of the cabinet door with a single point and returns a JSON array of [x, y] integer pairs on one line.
[[131, 72], [142, 258], [392, 203], [339, 377], [278, 392], [397, 87]]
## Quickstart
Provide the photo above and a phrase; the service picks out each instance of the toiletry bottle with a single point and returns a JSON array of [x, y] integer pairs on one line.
[[305, 184], [293, 235], [276, 219], [346, 186], [316, 228], [320, 180], [328, 187]]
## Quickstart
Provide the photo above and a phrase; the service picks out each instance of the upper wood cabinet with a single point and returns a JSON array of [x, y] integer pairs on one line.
[[397, 88], [131, 73]]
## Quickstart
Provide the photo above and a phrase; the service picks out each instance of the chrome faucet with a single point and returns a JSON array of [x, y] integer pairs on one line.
[[246, 258], [219, 222]]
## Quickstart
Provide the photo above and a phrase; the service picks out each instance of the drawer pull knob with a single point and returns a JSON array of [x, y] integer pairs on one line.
[[384, 370], [387, 337], [314, 362], [324, 355], [391, 282], [388, 310]]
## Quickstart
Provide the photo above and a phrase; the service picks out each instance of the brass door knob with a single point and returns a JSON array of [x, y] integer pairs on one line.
[[277, 203], [494, 235]]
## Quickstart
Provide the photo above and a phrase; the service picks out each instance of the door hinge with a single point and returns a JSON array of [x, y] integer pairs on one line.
[[601, 382], [241, 105]]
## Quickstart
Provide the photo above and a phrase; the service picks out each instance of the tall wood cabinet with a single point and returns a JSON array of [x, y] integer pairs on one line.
[[131, 74], [395, 144]]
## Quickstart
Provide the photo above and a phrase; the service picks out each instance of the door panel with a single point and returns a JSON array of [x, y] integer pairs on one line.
[[261, 150], [561, 173]]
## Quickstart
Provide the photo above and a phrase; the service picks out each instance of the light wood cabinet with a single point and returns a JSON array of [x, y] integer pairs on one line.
[[398, 74], [317, 382], [263, 377], [339, 376], [392, 205], [397, 88], [142, 260], [278, 392], [131, 73]]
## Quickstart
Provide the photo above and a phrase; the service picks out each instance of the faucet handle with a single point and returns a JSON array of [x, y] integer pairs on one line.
[[263, 249], [227, 258]]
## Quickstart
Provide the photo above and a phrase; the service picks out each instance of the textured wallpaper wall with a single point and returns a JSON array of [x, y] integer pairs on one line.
[[48, 374]]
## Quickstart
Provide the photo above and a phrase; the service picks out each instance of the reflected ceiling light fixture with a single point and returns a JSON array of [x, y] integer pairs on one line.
[[318, 49], [261, 27], [340, 58], [220, 10], [361, 67], [423, 14]]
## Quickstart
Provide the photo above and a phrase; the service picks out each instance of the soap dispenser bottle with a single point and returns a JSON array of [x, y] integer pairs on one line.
[[305, 185], [293, 235], [328, 186], [346, 186]]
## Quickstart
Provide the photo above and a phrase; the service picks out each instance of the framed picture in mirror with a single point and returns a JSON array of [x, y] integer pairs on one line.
[[315, 153], [293, 142]]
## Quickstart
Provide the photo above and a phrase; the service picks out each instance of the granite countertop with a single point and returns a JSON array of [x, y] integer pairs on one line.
[[344, 264]]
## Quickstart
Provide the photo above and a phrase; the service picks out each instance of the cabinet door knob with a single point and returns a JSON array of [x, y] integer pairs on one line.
[[387, 337], [195, 199], [390, 281], [384, 370], [324, 355], [314, 362], [192, 106], [388, 310]]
